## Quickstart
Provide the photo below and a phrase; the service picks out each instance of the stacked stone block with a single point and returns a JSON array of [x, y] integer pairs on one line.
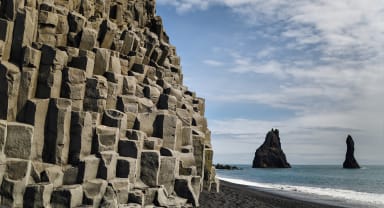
[[93, 110]]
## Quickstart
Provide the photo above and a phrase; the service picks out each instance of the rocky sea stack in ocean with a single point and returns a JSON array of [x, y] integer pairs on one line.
[[350, 161], [93, 109], [270, 154]]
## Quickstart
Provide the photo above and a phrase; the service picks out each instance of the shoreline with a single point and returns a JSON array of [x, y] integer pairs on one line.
[[242, 196]]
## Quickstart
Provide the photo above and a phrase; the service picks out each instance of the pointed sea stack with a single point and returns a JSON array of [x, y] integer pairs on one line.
[[350, 161], [270, 154]]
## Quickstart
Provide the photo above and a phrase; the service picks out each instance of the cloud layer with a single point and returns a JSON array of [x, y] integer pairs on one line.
[[324, 62], [334, 25]]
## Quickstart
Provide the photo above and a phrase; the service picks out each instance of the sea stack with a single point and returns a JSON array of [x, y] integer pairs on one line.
[[350, 161], [93, 110], [270, 154]]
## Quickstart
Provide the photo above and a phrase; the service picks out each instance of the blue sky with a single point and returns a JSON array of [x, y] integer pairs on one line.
[[312, 68]]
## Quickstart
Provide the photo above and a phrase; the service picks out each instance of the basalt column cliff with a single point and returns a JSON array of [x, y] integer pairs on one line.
[[93, 109]]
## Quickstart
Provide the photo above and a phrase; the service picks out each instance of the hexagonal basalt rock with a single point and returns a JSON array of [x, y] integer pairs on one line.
[[93, 110]]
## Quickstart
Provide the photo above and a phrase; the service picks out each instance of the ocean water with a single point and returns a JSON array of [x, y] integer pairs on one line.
[[322, 183]]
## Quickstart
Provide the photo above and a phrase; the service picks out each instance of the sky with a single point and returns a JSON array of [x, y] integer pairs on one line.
[[314, 69]]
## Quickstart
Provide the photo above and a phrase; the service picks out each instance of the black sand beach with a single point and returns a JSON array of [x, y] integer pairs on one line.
[[234, 195]]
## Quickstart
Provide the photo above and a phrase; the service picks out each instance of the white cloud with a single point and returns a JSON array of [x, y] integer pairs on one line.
[[245, 64], [304, 84], [339, 25], [266, 52], [334, 81], [330, 102], [320, 138], [348, 29], [183, 6], [213, 63]]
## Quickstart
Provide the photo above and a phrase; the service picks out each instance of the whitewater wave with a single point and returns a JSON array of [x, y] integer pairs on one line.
[[376, 200]]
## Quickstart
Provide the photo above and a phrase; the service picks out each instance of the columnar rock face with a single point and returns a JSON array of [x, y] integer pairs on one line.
[[270, 154], [350, 161], [93, 110]]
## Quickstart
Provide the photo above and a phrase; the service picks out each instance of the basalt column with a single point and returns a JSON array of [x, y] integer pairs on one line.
[[93, 110]]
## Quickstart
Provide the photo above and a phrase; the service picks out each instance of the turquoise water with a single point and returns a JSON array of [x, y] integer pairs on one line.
[[361, 187]]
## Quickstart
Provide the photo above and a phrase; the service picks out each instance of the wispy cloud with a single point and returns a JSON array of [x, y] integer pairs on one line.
[[335, 25], [213, 63], [324, 61], [329, 100], [186, 5], [266, 52], [307, 136]]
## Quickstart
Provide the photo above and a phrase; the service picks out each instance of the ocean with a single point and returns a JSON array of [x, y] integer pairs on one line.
[[328, 184]]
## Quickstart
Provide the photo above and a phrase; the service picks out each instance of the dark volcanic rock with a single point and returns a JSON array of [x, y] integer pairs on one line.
[[350, 161], [219, 166], [270, 154]]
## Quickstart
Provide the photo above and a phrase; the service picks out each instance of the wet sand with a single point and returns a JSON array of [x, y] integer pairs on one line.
[[240, 196]]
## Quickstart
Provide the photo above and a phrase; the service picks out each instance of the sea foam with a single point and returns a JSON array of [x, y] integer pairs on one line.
[[370, 199]]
